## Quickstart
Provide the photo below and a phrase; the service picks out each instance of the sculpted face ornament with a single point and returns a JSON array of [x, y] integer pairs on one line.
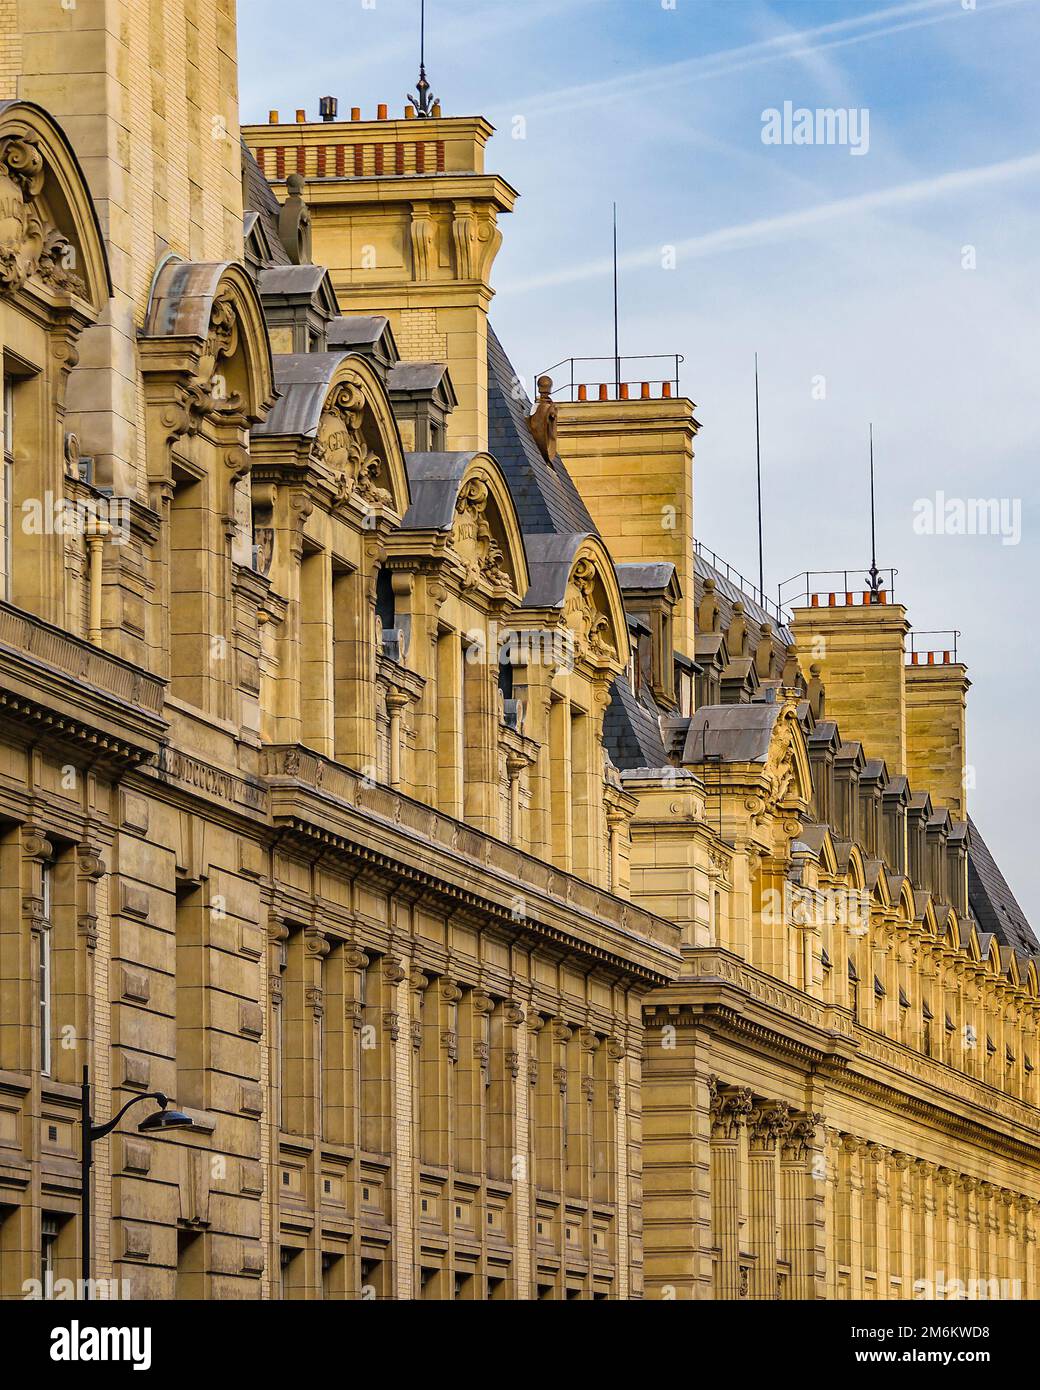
[[29, 244]]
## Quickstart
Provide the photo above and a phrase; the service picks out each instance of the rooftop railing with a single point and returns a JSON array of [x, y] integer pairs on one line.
[[926, 650], [617, 378], [821, 589], [742, 582]]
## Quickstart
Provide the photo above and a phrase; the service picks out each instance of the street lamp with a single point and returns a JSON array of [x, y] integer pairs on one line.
[[160, 1120]]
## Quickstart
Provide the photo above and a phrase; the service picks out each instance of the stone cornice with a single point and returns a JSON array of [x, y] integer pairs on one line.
[[325, 804], [721, 992], [75, 693]]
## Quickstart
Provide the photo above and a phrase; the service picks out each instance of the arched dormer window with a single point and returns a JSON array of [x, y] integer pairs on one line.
[[54, 284]]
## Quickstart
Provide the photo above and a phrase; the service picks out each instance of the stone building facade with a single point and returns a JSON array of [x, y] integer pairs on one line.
[[486, 876]]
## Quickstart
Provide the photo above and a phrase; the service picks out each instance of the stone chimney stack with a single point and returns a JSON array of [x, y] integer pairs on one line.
[[936, 736], [406, 220], [632, 461], [859, 649]]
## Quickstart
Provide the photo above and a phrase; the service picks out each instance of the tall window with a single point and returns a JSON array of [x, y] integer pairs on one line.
[[7, 493], [45, 971], [48, 1254]]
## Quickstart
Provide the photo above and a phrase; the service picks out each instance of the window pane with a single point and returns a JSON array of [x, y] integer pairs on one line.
[[7, 491], [8, 415], [45, 1002]]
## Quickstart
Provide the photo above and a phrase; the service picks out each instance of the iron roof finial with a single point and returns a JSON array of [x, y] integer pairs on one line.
[[874, 577], [424, 101]]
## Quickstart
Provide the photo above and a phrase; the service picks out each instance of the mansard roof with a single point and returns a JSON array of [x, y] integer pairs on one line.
[[728, 593], [991, 901], [259, 198], [546, 498], [632, 730]]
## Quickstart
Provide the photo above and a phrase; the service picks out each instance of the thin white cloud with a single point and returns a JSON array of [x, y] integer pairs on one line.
[[799, 44], [792, 223]]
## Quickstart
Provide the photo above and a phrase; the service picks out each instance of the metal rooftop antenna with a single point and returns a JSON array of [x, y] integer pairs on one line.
[[617, 355], [424, 100], [758, 474], [873, 578]]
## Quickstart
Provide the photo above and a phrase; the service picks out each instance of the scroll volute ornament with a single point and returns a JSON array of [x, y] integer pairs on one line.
[[209, 390], [206, 395], [581, 614], [342, 447], [542, 421], [472, 539]]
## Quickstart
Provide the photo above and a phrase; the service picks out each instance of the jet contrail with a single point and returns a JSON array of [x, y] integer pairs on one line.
[[769, 228]]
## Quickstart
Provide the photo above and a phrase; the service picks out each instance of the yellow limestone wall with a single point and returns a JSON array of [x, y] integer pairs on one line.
[[148, 96], [632, 462], [405, 219], [859, 649], [936, 739]]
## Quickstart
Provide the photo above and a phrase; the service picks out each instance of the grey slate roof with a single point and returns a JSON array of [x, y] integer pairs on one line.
[[357, 330], [991, 901], [545, 497], [728, 593], [650, 576], [631, 731], [416, 376], [734, 733], [302, 380], [433, 481], [550, 558], [303, 280], [259, 197]]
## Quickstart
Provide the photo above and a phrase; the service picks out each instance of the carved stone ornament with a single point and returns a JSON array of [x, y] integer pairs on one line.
[[472, 540], [294, 222], [542, 421], [342, 447], [71, 454], [591, 627], [30, 245], [207, 396], [780, 766]]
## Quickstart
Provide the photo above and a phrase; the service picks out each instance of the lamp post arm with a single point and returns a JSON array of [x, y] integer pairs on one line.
[[99, 1131]]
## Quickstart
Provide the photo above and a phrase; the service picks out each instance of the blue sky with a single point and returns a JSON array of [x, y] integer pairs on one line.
[[827, 263]]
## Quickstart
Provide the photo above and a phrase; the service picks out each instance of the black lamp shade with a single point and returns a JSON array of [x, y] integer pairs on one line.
[[165, 1119]]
